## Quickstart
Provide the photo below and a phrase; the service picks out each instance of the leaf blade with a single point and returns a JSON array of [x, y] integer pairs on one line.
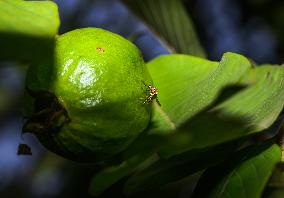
[[249, 111], [141, 152], [169, 170], [169, 19], [257, 166], [27, 29], [189, 84]]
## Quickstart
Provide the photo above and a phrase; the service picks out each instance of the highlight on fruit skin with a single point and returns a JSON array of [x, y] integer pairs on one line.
[[87, 104]]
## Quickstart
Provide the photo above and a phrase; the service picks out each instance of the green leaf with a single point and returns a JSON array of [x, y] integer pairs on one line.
[[251, 110], [260, 103], [107, 177], [139, 154], [169, 19], [243, 176], [27, 29], [175, 168], [187, 85]]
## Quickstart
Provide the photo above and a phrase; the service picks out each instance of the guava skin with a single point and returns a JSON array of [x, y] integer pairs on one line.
[[98, 84]]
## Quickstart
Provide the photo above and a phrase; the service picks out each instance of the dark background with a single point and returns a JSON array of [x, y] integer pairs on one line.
[[253, 28]]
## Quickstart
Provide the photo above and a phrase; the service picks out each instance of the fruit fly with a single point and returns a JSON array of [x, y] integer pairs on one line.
[[153, 94], [100, 49]]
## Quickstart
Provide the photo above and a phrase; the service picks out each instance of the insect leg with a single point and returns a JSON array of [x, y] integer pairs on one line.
[[157, 100]]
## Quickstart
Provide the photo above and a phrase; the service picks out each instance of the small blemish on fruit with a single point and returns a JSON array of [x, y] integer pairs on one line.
[[99, 49]]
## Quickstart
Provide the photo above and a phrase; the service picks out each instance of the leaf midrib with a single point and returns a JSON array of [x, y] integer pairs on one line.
[[165, 116]]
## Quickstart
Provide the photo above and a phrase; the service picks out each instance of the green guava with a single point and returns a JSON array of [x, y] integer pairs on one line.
[[88, 101]]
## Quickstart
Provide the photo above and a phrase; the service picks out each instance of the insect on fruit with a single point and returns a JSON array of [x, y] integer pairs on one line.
[[153, 95], [99, 49]]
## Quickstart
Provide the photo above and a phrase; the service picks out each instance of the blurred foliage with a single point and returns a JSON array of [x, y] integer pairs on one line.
[[170, 21], [27, 29], [230, 25], [272, 11]]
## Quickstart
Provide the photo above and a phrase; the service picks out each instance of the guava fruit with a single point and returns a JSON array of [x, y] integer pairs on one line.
[[88, 101]]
